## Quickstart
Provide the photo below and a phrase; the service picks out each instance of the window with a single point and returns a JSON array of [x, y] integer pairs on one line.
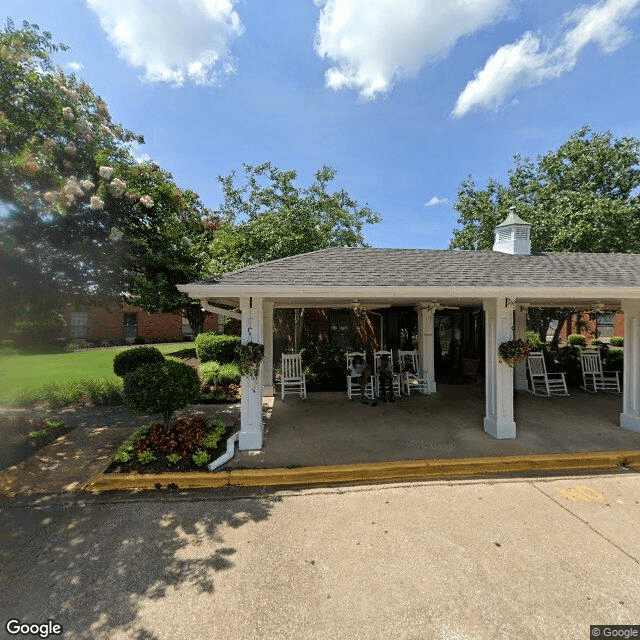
[[340, 327], [79, 326], [604, 325], [186, 327], [130, 325]]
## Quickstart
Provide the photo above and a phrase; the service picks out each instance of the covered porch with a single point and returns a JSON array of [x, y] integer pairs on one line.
[[328, 429]]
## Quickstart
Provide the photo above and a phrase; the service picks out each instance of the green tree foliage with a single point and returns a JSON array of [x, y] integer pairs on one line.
[[84, 221], [269, 217], [584, 196]]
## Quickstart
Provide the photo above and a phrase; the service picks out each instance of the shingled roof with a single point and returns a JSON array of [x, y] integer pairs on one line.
[[350, 266]]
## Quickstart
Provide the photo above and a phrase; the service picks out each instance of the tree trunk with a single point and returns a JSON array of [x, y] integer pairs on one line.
[[196, 316], [562, 318]]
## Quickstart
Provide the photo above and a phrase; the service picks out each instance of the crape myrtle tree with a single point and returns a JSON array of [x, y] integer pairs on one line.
[[268, 217], [80, 219], [584, 196]]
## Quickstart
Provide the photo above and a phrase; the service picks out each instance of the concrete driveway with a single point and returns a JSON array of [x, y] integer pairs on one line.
[[472, 560]]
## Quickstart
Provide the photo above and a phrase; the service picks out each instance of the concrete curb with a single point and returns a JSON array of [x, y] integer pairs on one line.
[[367, 472]]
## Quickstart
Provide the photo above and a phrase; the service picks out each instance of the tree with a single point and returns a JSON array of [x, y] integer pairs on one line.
[[53, 129], [268, 217], [85, 222], [582, 197]]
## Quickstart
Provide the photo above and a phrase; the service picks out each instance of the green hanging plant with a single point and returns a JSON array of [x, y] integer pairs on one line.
[[251, 356], [513, 352]]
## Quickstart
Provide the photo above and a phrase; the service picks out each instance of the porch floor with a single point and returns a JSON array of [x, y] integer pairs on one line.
[[328, 429]]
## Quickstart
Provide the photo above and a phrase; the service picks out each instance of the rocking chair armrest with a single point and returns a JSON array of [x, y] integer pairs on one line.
[[562, 374]]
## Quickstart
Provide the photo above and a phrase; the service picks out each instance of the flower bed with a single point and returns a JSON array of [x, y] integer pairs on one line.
[[189, 444]]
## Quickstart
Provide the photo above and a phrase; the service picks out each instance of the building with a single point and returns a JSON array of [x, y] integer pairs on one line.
[[128, 324], [498, 285]]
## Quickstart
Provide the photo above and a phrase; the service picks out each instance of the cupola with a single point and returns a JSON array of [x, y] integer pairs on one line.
[[513, 235]]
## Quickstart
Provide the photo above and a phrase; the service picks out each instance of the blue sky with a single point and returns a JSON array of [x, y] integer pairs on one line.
[[404, 99]]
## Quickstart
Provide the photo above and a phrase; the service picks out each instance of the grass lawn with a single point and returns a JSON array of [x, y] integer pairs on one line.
[[20, 374]]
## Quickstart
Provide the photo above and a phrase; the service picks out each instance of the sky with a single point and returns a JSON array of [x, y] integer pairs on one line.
[[404, 99]]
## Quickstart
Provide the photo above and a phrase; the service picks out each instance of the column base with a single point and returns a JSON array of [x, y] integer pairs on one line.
[[250, 440], [630, 422], [500, 429], [268, 391]]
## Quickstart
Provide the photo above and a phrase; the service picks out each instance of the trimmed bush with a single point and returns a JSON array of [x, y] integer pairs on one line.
[[216, 346], [128, 361], [223, 374], [616, 341], [161, 387], [576, 340], [34, 333], [614, 360], [596, 342]]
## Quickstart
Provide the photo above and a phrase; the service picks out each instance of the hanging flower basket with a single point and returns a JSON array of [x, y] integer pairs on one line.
[[251, 355], [513, 352]]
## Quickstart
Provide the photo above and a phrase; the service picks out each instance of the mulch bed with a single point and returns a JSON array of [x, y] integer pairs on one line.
[[185, 437]]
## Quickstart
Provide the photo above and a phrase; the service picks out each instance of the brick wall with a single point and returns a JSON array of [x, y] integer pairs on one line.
[[107, 323]]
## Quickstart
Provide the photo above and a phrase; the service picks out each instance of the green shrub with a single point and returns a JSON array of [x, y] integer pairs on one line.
[[576, 339], [200, 457], [614, 360], [127, 361], [326, 362], [596, 342], [146, 457], [161, 387], [566, 359], [216, 346], [616, 341], [218, 431], [210, 372], [215, 373], [534, 340], [173, 458]]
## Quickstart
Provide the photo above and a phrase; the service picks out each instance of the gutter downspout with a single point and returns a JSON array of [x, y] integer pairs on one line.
[[225, 457]]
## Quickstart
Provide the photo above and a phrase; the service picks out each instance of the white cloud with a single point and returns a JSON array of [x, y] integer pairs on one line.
[[172, 40], [525, 63], [74, 66], [373, 43], [138, 155], [435, 201]]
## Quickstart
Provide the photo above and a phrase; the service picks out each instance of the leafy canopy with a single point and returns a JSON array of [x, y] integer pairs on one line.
[[269, 217], [583, 197]]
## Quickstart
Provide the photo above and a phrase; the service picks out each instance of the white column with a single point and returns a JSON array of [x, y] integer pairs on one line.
[[251, 402], [426, 313], [630, 416], [267, 365], [499, 421], [521, 333]]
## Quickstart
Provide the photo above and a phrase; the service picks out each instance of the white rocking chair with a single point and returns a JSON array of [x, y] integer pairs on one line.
[[543, 383], [377, 358], [594, 379], [293, 378], [411, 378], [353, 378]]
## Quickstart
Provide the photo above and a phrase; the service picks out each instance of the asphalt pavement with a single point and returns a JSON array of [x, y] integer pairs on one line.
[[512, 558]]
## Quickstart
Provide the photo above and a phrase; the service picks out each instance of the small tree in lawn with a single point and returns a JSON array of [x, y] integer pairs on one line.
[[162, 387]]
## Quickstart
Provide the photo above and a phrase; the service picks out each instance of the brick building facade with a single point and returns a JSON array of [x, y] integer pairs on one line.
[[128, 324]]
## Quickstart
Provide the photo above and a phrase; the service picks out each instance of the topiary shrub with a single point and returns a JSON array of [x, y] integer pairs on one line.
[[576, 340], [616, 341], [217, 347], [128, 361], [161, 387], [596, 342]]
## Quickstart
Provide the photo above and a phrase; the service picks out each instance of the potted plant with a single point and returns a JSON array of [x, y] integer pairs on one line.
[[513, 352], [251, 356]]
